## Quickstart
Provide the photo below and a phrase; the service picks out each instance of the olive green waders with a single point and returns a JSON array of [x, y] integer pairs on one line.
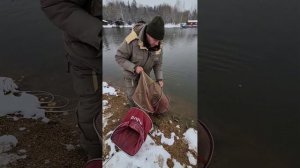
[[130, 86]]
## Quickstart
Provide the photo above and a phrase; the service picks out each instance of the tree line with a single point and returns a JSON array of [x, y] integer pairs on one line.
[[132, 12]]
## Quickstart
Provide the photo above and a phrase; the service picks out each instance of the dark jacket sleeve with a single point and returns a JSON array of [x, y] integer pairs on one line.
[[69, 16]]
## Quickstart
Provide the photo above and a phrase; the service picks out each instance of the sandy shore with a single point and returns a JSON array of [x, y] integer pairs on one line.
[[53, 144]]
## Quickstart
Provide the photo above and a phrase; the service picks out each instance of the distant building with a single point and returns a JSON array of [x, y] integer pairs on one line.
[[190, 24]]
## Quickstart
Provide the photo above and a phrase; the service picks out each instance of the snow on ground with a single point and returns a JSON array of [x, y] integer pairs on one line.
[[107, 26], [113, 25], [22, 128], [7, 85], [108, 89], [104, 103], [7, 143], [69, 147], [16, 102], [151, 154], [111, 145], [192, 159], [105, 116], [177, 164], [168, 25], [164, 140], [191, 138]]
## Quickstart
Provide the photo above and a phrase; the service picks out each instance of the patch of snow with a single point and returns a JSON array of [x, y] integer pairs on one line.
[[192, 159], [170, 25], [150, 155], [15, 118], [45, 120], [112, 147], [7, 142], [107, 26], [69, 147], [105, 104], [108, 89], [105, 118], [164, 140], [190, 136], [22, 128], [16, 102], [114, 25], [177, 164], [22, 151], [7, 85]]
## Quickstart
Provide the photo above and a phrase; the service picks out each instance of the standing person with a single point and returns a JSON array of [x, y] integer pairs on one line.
[[79, 20], [141, 51]]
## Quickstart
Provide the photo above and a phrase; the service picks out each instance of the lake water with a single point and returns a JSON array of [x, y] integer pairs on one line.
[[31, 46], [179, 67], [249, 81]]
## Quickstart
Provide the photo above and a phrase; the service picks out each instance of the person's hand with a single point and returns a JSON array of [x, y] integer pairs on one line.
[[161, 83], [138, 69]]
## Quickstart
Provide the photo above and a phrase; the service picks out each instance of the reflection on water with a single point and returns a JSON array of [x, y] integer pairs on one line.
[[179, 66]]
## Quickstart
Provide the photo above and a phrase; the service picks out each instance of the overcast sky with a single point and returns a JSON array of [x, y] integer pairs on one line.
[[188, 4]]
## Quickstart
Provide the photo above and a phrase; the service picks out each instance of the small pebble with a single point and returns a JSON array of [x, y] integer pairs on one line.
[[22, 151], [22, 128], [47, 161]]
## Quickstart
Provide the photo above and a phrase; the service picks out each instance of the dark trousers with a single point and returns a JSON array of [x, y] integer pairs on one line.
[[86, 83]]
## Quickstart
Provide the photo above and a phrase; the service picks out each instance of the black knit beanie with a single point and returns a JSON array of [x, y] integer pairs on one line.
[[156, 28]]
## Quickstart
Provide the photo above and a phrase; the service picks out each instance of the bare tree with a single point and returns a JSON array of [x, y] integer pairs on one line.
[[133, 12]]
